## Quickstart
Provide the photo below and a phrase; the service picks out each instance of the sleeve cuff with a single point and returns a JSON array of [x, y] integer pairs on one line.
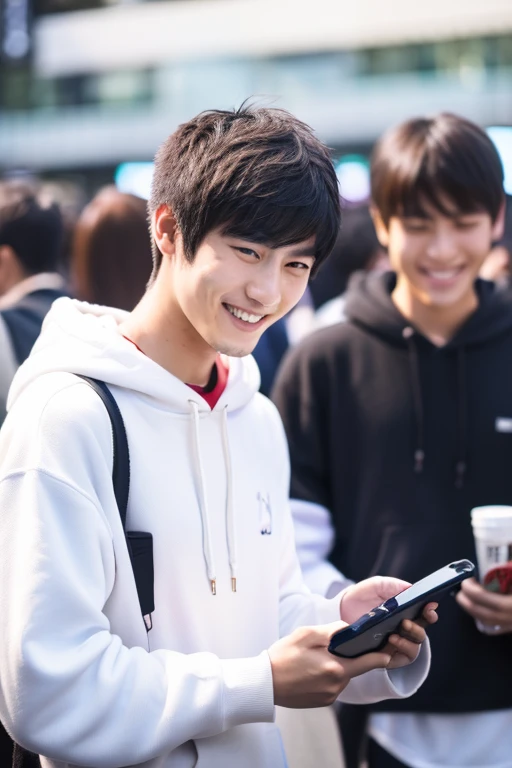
[[248, 690], [379, 684]]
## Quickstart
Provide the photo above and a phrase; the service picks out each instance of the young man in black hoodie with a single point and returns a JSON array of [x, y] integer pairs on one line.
[[399, 422]]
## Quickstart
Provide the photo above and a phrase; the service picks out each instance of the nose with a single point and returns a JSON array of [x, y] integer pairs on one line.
[[442, 245], [265, 286]]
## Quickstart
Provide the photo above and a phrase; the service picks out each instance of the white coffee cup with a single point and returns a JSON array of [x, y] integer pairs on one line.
[[492, 528]]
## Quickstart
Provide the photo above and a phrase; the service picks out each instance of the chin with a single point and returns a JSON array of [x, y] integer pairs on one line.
[[233, 349]]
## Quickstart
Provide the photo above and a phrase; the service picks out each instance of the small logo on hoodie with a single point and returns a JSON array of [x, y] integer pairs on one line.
[[503, 424], [265, 515]]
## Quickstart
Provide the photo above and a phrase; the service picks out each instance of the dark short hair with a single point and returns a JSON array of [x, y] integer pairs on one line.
[[32, 226], [256, 173], [445, 161], [111, 252]]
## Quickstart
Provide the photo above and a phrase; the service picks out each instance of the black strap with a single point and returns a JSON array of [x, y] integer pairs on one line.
[[139, 543], [121, 465]]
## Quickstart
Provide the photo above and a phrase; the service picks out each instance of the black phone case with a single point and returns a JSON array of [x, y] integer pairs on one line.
[[371, 631]]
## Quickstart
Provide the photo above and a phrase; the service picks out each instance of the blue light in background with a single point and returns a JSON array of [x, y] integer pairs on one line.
[[353, 174], [134, 178], [501, 136]]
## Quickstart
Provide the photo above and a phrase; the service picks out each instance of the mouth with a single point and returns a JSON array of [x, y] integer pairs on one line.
[[243, 318], [443, 276]]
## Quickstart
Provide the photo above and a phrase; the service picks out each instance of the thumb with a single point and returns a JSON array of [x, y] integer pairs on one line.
[[366, 662], [321, 634], [388, 586]]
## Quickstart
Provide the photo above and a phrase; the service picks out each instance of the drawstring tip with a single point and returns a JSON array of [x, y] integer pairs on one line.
[[213, 584], [419, 457], [233, 584]]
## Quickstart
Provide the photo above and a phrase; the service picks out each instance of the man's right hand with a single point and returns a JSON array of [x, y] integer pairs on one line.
[[306, 675]]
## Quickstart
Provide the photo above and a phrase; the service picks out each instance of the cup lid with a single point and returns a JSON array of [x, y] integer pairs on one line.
[[497, 514]]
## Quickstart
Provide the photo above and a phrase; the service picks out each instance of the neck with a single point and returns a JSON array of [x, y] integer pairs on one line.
[[158, 326], [438, 324]]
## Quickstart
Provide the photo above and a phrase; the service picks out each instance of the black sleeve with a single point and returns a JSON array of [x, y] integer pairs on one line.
[[300, 396]]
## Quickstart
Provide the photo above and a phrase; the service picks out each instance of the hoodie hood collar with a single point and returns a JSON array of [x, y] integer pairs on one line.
[[369, 304], [83, 338]]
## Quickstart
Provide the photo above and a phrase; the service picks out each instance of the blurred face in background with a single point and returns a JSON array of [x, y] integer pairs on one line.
[[437, 257]]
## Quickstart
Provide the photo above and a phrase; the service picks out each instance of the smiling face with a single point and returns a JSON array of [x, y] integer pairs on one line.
[[437, 257], [232, 290]]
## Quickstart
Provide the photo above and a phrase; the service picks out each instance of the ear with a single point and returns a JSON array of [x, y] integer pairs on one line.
[[380, 228], [165, 230], [499, 225]]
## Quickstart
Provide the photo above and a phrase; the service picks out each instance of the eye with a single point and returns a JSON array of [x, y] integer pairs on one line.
[[247, 251], [465, 223], [416, 226], [298, 265]]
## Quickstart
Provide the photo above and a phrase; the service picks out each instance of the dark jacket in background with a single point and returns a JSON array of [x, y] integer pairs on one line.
[[400, 439], [20, 325]]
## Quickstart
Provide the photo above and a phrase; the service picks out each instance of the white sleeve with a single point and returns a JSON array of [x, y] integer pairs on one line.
[[314, 539], [70, 689]]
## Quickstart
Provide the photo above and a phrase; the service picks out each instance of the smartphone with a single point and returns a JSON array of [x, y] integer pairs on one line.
[[371, 631]]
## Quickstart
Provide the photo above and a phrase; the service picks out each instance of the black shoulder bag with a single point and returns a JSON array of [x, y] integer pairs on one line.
[[139, 543]]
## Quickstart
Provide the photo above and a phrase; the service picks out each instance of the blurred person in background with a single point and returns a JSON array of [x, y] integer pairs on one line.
[[31, 235], [393, 422], [357, 249], [111, 255], [497, 266]]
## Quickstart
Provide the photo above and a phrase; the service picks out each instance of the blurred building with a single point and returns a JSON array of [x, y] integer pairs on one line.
[[88, 84]]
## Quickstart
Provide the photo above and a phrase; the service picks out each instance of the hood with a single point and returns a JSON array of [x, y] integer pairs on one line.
[[83, 338], [369, 304]]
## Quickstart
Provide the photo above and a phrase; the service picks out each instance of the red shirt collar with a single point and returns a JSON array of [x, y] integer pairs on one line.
[[215, 387]]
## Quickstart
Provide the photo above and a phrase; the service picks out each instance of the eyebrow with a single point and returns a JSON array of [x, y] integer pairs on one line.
[[306, 251]]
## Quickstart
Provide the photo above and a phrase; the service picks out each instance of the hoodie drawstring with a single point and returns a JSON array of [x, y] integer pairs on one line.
[[203, 503], [230, 509], [419, 452], [460, 467]]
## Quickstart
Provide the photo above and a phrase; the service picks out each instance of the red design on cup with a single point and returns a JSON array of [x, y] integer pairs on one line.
[[499, 579]]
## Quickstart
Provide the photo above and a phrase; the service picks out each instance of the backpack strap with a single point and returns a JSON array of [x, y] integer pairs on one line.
[[139, 543], [121, 464]]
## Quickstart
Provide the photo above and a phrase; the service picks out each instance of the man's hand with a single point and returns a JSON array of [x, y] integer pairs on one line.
[[305, 674], [369, 593], [492, 609]]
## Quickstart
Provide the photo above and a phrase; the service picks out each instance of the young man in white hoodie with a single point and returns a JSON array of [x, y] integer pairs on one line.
[[244, 206]]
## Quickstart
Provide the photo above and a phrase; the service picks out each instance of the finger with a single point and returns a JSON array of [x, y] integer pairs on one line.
[[483, 613], [412, 630], [389, 586], [404, 646], [320, 636], [429, 613], [481, 596]]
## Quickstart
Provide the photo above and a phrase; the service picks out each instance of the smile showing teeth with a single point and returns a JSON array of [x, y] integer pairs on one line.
[[445, 274], [243, 315]]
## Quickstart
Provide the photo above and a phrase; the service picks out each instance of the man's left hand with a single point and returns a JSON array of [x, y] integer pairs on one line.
[[367, 594]]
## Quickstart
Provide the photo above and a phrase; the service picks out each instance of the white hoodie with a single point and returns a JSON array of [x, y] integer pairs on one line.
[[81, 680]]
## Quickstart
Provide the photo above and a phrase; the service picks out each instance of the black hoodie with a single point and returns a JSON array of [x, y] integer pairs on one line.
[[400, 439]]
